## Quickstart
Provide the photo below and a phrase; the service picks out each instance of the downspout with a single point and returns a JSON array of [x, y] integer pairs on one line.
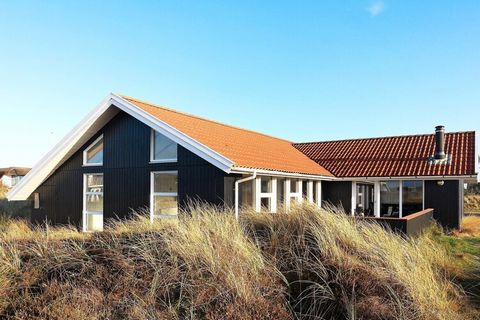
[[237, 184]]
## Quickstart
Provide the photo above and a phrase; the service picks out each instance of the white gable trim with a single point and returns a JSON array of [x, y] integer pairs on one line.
[[53, 159], [173, 134]]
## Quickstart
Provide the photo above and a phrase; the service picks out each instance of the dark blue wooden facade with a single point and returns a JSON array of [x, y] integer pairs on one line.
[[126, 168]]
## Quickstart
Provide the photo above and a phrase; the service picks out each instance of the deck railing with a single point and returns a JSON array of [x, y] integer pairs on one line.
[[410, 225]]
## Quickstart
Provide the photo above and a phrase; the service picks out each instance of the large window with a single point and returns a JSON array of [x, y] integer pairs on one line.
[[390, 198], [412, 195], [93, 202], [93, 154], [163, 149], [164, 195]]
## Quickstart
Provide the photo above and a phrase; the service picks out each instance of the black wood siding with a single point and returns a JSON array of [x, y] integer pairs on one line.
[[126, 170], [338, 194], [446, 200]]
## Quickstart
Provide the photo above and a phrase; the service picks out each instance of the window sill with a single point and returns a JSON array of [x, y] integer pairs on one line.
[[164, 161]]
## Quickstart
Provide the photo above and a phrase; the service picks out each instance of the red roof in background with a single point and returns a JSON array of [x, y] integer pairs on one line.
[[394, 156]]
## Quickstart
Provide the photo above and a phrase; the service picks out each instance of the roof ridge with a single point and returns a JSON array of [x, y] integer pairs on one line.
[[202, 118], [384, 137]]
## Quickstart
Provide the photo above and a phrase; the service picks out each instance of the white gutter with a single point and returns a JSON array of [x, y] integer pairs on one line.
[[237, 184], [274, 173]]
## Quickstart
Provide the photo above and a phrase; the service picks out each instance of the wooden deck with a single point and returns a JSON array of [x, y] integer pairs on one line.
[[410, 225]]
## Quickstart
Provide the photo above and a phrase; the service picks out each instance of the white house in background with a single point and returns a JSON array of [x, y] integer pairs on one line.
[[9, 177]]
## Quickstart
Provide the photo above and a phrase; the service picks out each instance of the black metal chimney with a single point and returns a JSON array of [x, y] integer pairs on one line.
[[440, 143]]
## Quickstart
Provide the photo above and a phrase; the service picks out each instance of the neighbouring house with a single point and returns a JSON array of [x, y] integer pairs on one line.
[[128, 155], [9, 177]]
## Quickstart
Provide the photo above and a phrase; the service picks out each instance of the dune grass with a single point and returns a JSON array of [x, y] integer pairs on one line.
[[305, 264], [472, 203]]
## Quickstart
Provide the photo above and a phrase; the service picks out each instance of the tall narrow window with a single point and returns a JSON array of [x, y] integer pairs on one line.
[[412, 196], [164, 196], [93, 154], [390, 198], [93, 202], [295, 195], [163, 149], [280, 192], [36, 200], [265, 193]]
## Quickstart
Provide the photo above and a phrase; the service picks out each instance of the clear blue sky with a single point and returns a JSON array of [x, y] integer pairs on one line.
[[301, 70]]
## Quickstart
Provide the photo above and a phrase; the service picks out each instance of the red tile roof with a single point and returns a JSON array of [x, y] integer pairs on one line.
[[394, 156], [244, 147]]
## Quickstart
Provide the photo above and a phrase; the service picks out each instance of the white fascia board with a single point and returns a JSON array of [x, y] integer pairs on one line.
[[42, 170], [243, 170], [173, 134]]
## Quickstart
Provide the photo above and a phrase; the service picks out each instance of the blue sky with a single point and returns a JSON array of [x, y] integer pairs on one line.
[[301, 70]]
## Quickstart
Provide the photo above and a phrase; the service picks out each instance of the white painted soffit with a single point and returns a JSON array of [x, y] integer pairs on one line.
[[89, 126]]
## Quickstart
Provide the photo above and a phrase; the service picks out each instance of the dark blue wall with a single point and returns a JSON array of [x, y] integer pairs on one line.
[[126, 170]]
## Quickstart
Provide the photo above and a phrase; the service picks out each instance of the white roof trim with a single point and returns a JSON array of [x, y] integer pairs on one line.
[[266, 172], [50, 162], [172, 133]]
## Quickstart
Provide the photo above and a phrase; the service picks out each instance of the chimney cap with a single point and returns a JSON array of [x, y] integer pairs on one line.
[[439, 127]]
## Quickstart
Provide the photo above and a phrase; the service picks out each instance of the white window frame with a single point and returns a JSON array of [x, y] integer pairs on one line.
[[85, 193], [161, 194], [152, 150], [298, 195], [85, 164], [259, 195], [376, 197], [36, 200], [318, 192]]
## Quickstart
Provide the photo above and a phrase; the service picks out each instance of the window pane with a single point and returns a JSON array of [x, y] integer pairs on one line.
[[165, 182], [280, 192], [293, 185], [412, 194], [265, 203], [94, 202], [315, 200], [389, 198], [163, 148], [246, 194], [94, 222], [95, 183], [95, 152], [266, 184], [304, 189], [36, 200], [364, 199], [165, 205]]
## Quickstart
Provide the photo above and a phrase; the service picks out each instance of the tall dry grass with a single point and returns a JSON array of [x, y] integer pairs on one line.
[[305, 264], [471, 203]]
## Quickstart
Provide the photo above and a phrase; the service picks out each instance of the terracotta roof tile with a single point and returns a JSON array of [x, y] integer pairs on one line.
[[244, 147], [393, 156]]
